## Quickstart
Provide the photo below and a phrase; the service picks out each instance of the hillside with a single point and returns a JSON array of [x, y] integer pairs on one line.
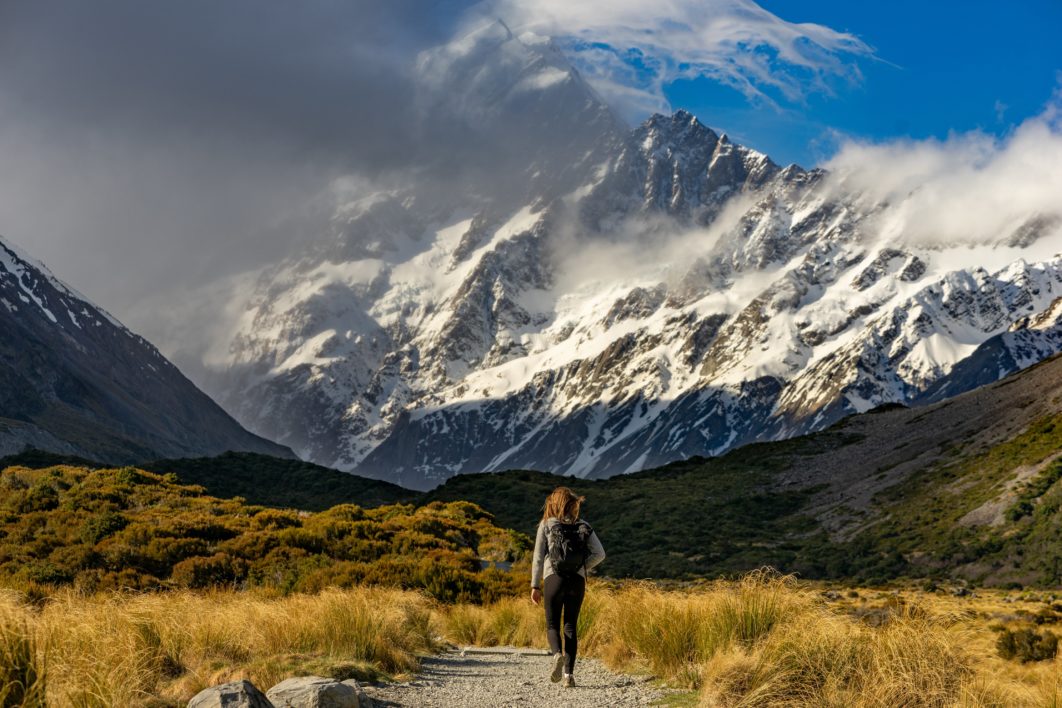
[[259, 479], [127, 528], [278, 482], [965, 488], [75, 381]]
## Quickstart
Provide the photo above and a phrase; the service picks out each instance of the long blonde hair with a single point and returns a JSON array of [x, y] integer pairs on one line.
[[562, 504]]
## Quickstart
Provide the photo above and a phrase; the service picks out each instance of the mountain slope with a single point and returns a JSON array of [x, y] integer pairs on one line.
[[968, 488], [74, 380], [617, 300]]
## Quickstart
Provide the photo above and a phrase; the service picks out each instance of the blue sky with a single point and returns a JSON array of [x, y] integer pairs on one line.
[[941, 67]]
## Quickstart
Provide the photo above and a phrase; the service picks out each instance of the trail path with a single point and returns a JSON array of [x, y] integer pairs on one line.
[[507, 677]]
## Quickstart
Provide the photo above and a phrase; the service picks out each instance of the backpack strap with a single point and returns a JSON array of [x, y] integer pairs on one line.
[[586, 552]]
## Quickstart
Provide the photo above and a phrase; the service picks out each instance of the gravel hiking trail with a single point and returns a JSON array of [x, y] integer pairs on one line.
[[505, 677]]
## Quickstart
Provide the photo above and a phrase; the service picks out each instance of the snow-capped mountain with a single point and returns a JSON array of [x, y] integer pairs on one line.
[[74, 380], [626, 299]]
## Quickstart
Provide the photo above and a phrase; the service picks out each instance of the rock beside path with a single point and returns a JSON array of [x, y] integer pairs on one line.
[[512, 679], [315, 692], [237, 694]]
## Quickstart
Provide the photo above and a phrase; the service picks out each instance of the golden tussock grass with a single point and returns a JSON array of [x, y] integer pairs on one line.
[[764, 640], [159, 649], [767, 640]]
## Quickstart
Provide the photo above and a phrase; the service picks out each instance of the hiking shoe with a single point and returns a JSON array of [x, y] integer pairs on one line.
[[569, 681], [558, 667]]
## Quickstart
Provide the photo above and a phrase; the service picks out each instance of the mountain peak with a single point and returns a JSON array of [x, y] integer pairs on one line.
[[513, 92], [492, 33], [498, 28], [679, 129], [684, 116]]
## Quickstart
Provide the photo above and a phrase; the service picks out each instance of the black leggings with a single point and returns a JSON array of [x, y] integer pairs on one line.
[[563, 594]]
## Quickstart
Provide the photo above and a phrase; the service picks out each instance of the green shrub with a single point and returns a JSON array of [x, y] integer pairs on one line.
[[217, 570], [45, 573], [100, 526], [40, 497], [1026, 645], [276, 519]]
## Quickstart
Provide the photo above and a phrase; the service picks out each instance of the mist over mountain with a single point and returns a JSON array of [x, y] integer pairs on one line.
[[601, 299]]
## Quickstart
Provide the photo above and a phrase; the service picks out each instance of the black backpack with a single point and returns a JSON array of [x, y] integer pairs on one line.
[[568, 546]]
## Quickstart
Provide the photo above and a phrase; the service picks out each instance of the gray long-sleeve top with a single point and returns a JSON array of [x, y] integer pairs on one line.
[[541, 568]]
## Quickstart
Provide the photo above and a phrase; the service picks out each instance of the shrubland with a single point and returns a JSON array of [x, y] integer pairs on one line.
[[98, 530], [987, 515]]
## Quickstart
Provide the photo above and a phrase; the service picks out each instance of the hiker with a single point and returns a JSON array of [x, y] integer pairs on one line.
[[566, 547]]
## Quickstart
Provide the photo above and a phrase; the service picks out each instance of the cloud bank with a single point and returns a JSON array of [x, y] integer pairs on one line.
[[149, 147], [630, 50], [972, 188], [176, 143]]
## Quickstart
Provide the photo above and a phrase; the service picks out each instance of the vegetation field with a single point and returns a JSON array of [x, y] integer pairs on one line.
[[764, 640], [274, 481], [886, 495], [129, 587]]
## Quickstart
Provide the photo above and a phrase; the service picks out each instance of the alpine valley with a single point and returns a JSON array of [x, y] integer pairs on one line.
[[594, 300]]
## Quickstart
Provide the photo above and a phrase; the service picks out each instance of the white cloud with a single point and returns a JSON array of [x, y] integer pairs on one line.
[[969, 188], [735, 42]]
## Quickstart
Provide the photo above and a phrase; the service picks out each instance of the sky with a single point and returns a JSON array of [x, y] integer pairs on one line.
[[939, 68], [151, 148]]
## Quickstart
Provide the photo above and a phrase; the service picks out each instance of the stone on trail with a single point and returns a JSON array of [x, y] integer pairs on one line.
[[316, 692], [237, 694]]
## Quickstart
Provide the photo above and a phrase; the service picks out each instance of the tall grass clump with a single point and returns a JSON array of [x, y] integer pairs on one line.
[[831, 661], [667, 634], [131, 650], [512, 621], [674, 634], [22, 674], [749, 610], [763, 640]]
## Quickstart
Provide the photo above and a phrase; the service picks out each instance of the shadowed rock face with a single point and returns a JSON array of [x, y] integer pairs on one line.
[[653, 294], [74, 380]]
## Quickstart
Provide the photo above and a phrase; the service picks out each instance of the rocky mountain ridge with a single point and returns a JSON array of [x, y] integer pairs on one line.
[[662, 293]]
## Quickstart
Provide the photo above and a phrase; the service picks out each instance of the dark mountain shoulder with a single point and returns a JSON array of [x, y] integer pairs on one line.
[[282, 483], [75, 381], [259, 479], [35, 459]]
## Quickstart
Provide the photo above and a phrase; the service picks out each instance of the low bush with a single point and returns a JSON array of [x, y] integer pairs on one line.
[[1026, 645]]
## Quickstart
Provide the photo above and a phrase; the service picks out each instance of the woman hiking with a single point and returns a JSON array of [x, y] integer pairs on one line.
[[566, 547]]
